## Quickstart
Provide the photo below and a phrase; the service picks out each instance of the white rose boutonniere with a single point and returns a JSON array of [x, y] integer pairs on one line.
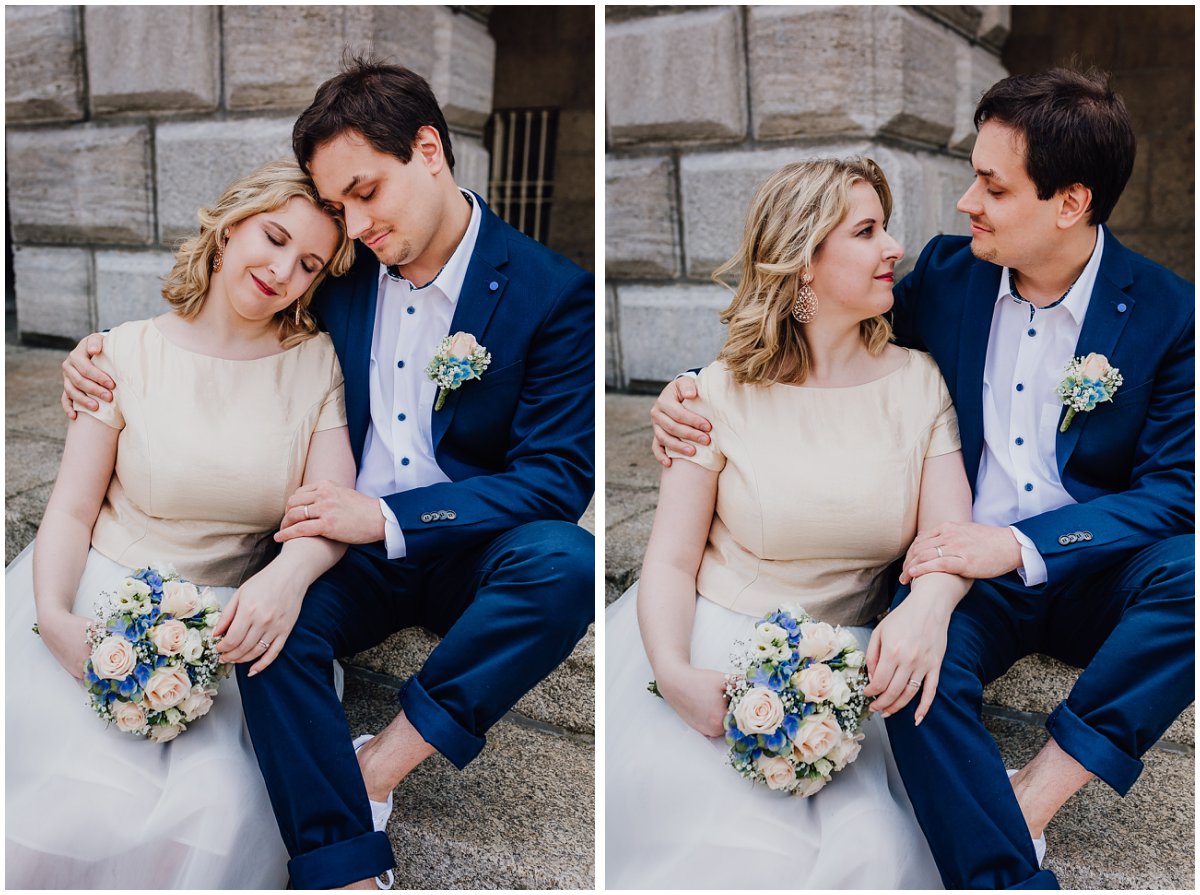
[[459, 359], [1089, 381]]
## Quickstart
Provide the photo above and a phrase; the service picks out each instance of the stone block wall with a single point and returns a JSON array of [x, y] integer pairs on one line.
[[122, 121], [703, 103]]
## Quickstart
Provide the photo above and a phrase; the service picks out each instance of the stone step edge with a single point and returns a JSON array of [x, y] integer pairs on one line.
[[394, 683], [1038, 719]]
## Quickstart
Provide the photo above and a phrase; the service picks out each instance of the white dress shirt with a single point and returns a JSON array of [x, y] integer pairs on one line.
[[410, 322], [1027, 355]]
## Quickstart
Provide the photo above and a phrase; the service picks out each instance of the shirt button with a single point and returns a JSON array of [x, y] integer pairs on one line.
[[402, 417], [493, 286], [411, 309], [1122, 308], [404, 462], [1020, 441], [399, 365], [1020, 386], [1031, 331], [1028, 486]]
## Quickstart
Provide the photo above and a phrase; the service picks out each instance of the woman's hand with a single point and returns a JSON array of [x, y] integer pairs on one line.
[[65, 635], [263, 610], [908, 647], [698, 697]]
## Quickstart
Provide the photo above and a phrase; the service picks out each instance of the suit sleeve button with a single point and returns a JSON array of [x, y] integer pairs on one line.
[[1064, 540], [450, 514], [425, 517], [1087, 535]]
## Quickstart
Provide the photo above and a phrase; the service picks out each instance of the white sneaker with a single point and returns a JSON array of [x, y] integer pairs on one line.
[[1039, 844], [380, 812]]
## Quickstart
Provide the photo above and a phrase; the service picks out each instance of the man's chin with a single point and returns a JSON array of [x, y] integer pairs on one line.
[[983, 253]]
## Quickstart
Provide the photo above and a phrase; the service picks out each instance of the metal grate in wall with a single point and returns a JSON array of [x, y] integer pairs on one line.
[[521, 185]]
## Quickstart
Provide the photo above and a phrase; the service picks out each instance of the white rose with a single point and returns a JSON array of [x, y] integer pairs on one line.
[[164, 733], [168, 637], [130, 717], [845, 751], [846, 640], [180, 599], [167, 688], [462, 345], [212, 619], [855, 659], [817, 735], [208, 600], [817, 640], [192, 648], [197, 704], [113, 659], [759, 711], [810, 785], [1094, 366], [771, 634], [839, 690], [823, 766], [133, 596], [777, 770]]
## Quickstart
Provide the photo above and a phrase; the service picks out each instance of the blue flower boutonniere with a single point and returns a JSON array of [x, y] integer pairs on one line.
[[459, 359], [1089, 381]]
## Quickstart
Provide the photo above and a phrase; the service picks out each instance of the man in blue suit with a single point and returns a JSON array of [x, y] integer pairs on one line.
[[1082, 540], [462, 519]]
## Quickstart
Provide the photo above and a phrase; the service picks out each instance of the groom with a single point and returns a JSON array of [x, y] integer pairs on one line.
[[462, 518], [1082, 541]]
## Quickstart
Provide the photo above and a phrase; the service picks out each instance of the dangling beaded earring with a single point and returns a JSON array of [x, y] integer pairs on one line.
[[805, 307], [297, 312], [217, 259]]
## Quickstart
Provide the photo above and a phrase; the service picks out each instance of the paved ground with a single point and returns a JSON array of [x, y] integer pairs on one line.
[[1098, 840], [521, 816]]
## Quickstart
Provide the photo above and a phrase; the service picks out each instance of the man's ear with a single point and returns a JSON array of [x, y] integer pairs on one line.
[[428, 148], [1075, 204]]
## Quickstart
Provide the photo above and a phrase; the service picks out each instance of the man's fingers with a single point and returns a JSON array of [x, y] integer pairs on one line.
[[79, 386], [94, 344], [67, 407], [685, 388], [660, 454], [683, 424], [928, 691], [670, 442]]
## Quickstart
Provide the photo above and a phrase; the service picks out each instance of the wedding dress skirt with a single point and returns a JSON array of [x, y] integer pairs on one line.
[[89, 807], [677, 817]]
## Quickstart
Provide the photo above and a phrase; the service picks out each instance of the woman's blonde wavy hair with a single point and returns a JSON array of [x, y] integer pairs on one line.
[[790, 216], [265, 189]]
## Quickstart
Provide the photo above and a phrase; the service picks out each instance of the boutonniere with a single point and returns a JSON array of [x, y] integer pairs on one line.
[[1089, 381], [459, 358]]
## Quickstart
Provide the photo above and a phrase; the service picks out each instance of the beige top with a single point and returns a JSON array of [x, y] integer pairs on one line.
[[209, 450], [817, 492]]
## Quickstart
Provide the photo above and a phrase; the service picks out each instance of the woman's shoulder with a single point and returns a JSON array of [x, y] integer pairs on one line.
[[921, 367]]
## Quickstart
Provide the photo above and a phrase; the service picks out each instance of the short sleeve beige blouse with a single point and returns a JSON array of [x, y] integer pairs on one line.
[[209, 450], [817, 488]]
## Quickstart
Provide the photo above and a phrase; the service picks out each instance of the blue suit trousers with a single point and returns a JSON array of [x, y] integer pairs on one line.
[[508, 612], [1129, 627]]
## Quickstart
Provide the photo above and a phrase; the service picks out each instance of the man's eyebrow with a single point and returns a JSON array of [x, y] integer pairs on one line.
[[354, 181], [990, 174]]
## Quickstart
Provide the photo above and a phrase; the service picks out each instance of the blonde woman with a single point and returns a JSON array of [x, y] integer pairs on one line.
[[829, 445], [226, 404]]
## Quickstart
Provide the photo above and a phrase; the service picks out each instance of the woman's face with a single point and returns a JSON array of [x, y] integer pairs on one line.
[[272, 258], [853, 269]]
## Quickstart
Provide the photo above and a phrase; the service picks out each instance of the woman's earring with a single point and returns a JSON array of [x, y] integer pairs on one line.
[[297, 312], [804, 309], [217, 259]]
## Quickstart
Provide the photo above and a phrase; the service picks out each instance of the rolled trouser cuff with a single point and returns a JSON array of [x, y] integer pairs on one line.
[[437, 727], [1093, 750], [1043, 879], [342, 863]]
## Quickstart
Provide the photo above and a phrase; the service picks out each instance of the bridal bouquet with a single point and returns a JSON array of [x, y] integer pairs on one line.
[[154, 667], [796, 704]]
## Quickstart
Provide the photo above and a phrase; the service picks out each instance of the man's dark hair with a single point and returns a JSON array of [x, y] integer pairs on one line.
[[1076, 130], [387, 104]]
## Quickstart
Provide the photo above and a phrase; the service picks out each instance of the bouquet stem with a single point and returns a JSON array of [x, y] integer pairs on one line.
[[1067, 419]]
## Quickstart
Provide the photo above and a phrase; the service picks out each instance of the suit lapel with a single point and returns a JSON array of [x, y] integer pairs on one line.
[[976, 326], [483, 286], [356, 359], [1108, 311]]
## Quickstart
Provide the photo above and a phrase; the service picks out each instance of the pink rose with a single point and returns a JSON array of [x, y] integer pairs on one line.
[[814, 681], [759, 711], [777, 770], [180, 599], [817, 735], [196, 705], [113, 659], [167, 687], [164, 733], [169, 636], [1094, 366], [845, 751], [130, 717], [817, 640], [462, 345]]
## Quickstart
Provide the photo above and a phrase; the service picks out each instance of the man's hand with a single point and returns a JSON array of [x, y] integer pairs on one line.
[[333, 511], [963, 548], [82, 379], [674, 425]]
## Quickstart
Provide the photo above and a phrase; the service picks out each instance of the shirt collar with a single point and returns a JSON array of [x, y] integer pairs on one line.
[[449, 279], [1079, 296]]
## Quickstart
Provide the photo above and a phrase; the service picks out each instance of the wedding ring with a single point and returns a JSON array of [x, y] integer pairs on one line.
[[914, 683], [264, 644], [939, 550], [308, 515]]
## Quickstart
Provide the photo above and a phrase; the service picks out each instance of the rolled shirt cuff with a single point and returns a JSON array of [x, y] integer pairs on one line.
[[393, 537], [1033, 567]]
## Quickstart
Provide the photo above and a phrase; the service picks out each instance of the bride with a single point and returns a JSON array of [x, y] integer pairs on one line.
[[828, 446], [224, 406]]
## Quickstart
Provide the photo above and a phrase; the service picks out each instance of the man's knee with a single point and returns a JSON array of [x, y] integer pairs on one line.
[[562, 556], [1167, 568]]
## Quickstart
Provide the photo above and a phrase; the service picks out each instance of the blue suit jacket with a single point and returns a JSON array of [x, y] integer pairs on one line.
[[1130, 463], [519, 444]]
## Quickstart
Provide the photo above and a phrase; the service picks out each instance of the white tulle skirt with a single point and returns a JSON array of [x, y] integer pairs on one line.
[[88, 807], [677, 817]]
